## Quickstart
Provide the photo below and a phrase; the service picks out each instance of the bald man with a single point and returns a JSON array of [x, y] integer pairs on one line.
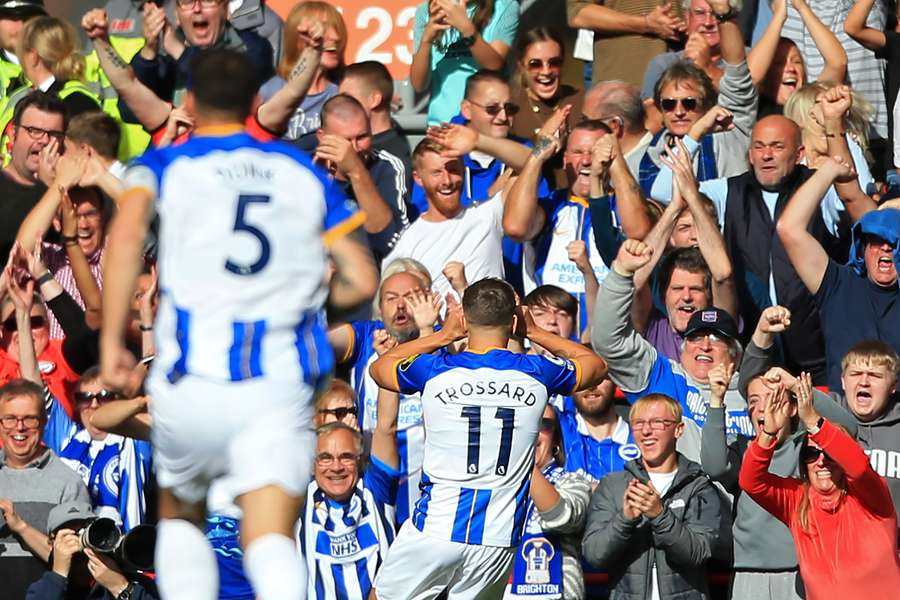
[[618, 104], [377, 183], [748, 207]]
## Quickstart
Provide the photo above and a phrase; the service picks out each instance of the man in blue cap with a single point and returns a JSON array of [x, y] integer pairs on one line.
[[858, 301]]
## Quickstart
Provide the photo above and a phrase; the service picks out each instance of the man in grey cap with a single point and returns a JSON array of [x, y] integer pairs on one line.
[[13, 14]]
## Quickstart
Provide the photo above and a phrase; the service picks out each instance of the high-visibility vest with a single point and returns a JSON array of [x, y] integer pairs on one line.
[[11, 77]]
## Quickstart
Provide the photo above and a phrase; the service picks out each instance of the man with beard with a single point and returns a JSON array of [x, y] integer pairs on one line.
[[447, 231], [407, 310], [597, 440]]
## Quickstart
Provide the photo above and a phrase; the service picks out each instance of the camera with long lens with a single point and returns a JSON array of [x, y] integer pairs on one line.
[[133, 551]]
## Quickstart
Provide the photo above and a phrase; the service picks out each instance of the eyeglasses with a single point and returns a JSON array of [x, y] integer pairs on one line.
[[340, 412], [101, 396], [701, 335], [669, 104], [36, 133], [495, 109], [702, 14], [203, 3], [548, 424], [345, 458], [811, 454], [10, 421], [655, 424], [536, 64], [37, 321]]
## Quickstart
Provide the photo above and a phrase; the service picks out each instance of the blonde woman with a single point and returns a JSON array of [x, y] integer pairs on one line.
[[49, 55], [804, 107], [306, 118]]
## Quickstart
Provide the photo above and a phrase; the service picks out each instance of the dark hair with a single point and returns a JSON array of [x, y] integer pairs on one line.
[[224, 81], [686, 259], [375, 77], [490, 302], [23, 387], [98, 130], [592, 125], [481, 76], [684, 71], [340, 106], [537, 34], [42, 101], [554, 297]]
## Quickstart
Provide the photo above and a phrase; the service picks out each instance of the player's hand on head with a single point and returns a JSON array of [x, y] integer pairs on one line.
[[425, 308], [455, 322], [633, 254]]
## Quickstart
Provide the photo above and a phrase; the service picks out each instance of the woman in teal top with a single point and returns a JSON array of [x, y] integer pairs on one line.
[[453, 39]]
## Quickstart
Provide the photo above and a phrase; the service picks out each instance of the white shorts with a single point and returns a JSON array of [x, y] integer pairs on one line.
[[418, 567], [244, 435]]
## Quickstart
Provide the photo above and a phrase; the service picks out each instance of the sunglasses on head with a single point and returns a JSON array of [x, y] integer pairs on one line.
[[669, 104], [495, 109], [536, 64], [37, 321], [811, 454], [340, 412], [101, 396]]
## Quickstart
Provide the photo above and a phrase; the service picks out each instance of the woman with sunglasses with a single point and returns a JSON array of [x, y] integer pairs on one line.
[[453, 39], [539, 91], [550, 548], [839, 511], [337, 403]]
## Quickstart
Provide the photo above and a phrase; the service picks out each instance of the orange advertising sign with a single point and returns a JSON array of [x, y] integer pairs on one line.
[[379, 30]]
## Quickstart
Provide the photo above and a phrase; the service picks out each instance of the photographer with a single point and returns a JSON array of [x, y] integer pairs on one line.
[[80, 573]]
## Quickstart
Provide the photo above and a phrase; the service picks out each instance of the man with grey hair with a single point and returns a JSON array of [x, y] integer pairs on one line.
[[618, 104]]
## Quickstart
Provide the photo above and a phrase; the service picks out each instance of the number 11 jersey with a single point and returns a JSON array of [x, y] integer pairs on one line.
[[482, 413], [242, 260]]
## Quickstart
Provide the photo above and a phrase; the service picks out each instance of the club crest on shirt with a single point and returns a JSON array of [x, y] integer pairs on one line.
[[629, 451]]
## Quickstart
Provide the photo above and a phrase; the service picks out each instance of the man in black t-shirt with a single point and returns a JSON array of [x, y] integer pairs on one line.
[[39, 118]]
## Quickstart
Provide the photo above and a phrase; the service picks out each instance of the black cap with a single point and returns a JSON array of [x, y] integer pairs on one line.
[[713, 320], [21, 9]]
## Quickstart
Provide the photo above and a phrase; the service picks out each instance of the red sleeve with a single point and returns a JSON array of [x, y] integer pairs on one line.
[[778, 495], [863, 482]]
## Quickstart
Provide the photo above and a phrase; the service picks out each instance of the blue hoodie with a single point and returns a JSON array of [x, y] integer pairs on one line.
[[885, 224]]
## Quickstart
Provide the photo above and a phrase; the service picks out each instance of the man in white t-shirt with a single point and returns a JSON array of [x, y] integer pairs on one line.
[[661, 514], [446, 231]]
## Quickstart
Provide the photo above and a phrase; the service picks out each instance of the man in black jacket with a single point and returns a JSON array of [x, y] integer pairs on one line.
[[654, 526]]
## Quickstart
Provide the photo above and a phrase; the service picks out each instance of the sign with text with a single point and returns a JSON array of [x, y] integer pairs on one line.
[[379, 30]]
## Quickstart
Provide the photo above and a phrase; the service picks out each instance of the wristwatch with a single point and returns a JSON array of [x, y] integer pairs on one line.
[[814, 430], [127, 593], [731, 15]]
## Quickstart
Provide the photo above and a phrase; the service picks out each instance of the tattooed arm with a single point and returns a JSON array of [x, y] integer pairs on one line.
[[147, 106]]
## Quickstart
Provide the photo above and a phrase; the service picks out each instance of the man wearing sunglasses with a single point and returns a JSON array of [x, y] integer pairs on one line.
[[32, 482], [39, 118], [711, 339], [115, 469]]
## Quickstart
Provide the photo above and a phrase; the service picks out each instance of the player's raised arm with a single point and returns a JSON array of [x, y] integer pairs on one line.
[[591, 367], [355, 278], [384, 370], [125, 242]]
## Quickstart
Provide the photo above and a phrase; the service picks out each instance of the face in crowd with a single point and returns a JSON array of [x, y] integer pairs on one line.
[[868, 387], [687, 293], [33, 134], [337, 465], [879, 257], [656, 429], [786, 74], [202, 21], [21, 428], [542, 65], [596, 401], [577, 159], [681, 104], [775, 150], [704, 350], [40, 330], [395, 314], [441, 178], [488, 108], [702, 20]]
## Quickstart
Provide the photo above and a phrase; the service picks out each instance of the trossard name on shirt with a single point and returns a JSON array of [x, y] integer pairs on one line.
[[462, 393]]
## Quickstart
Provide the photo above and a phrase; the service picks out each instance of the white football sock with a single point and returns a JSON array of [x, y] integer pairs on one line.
[[185, 562], [276, 569]]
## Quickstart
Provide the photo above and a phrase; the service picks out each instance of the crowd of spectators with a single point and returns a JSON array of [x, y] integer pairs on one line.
[[711, 206]]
